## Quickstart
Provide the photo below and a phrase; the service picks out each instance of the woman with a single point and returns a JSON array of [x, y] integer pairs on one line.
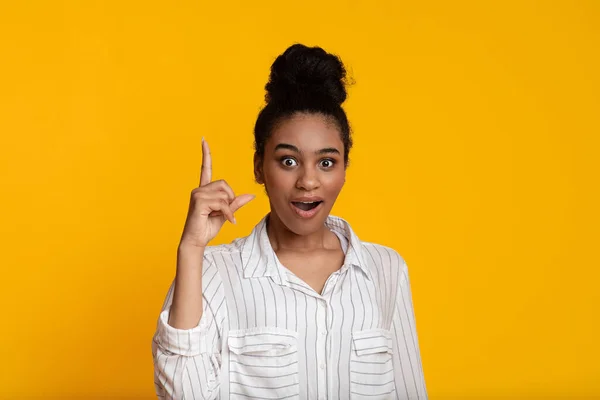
[[300, 308]]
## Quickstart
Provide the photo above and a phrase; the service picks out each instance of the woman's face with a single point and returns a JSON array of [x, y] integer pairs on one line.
[[303, 171]]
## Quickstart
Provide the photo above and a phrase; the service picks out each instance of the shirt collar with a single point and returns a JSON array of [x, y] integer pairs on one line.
[[259, 258]]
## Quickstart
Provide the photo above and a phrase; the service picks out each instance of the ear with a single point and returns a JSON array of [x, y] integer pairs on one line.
[[258, 173]]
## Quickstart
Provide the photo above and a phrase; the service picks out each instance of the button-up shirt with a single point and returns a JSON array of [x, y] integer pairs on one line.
[[266, 334]]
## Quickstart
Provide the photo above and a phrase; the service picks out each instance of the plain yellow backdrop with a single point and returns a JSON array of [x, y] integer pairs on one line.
[[476, 157]]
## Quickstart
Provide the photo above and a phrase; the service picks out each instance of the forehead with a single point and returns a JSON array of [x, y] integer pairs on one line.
[[307, 131]]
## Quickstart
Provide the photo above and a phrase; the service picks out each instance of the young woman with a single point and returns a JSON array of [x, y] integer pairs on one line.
[[301, 308]]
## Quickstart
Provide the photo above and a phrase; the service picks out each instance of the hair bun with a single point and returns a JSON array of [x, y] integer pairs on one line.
[[306, 74]]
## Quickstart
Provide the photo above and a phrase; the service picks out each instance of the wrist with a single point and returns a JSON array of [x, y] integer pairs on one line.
[[186, 247], [190, 252]]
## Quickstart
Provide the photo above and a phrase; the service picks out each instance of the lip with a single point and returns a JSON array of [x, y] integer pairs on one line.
[[308, 198], [310, 213]]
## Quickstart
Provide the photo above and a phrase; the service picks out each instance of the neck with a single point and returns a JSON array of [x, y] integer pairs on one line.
[[282, 238]]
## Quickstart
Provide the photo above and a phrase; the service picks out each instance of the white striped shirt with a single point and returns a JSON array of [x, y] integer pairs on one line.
[[266, 334]]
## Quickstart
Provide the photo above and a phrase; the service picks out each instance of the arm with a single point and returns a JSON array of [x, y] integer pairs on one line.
[[187, 358], [186, 310], [410, 381], [186, 346]]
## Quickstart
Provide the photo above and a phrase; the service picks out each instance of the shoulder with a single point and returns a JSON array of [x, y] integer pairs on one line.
[[219, 261], [233, 247], [222, 254], [228, 258], [383, 259]]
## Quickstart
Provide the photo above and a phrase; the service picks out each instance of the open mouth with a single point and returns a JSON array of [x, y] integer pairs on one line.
[[306, 206]]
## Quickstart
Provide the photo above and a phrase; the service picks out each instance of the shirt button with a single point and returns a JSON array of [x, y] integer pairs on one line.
[[322, 366], [323, 333]]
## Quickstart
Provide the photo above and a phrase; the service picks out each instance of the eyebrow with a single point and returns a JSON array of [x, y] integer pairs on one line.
[[286, 146]]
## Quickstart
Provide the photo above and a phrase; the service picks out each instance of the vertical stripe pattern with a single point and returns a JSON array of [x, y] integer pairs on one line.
[[266, 334]]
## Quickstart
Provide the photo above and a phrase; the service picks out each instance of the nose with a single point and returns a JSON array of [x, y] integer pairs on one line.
[[308, 179]]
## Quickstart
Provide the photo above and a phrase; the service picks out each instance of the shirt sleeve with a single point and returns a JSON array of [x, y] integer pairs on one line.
[[409, 378], [187, 362]]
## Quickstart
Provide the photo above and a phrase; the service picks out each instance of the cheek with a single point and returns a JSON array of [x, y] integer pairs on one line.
[[276, 178], [335, 183]]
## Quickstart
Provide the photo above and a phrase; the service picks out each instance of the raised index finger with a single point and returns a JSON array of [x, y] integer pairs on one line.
[[206, 171]]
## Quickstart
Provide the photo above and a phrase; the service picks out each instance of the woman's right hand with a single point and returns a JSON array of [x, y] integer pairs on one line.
[[210, 205]]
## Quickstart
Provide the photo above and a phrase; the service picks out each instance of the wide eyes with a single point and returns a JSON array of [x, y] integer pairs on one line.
[[327, 163], [290, 162]]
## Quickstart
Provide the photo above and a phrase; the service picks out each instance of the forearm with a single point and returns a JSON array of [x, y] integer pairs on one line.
[[186, 308]]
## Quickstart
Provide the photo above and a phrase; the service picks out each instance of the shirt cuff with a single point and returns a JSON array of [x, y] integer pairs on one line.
[[184, 342]]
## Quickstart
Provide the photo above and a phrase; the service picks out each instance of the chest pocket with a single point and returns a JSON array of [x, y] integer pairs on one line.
[[263, 363], [371, 365]]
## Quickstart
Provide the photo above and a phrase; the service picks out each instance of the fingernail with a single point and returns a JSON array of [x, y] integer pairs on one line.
[[234, 221], [202, 139]]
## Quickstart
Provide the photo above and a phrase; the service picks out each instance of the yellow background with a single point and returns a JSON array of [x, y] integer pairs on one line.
[[476, 157]]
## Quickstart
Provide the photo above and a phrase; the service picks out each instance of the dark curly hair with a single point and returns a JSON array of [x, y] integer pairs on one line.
[[304, 79]]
